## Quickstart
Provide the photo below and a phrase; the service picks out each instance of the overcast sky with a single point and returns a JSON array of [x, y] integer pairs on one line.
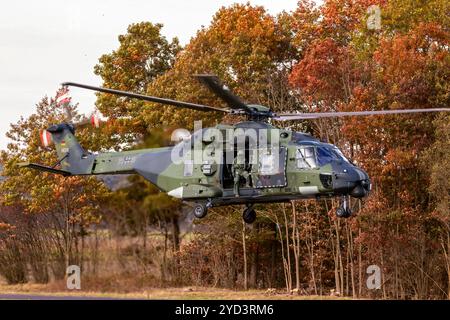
[[46, 42]]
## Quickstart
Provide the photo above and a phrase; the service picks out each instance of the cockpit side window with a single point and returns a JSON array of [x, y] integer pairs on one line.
[[306, 157]]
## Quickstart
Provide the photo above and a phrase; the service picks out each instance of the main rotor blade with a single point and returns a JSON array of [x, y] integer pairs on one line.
[[222, 91], [170, 102], [316, 115]]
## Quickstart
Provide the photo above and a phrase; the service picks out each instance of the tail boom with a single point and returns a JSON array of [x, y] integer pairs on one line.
[[74, 160]]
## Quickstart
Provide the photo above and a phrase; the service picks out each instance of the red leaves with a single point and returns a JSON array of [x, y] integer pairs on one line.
[[319, 74], [347, 68]]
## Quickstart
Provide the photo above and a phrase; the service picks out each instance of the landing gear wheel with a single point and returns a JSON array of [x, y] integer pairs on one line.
[[249, 215], [348, 213], [200, 210], [341, 212]]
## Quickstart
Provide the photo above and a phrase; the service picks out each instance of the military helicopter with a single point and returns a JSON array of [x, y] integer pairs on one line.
[[243, 164]]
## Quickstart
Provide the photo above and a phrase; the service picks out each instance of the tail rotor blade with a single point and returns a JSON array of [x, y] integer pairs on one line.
[[95, 120], [92, 121], [63, 100], [46, 138]]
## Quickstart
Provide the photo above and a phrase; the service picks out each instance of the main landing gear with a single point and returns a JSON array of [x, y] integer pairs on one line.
[[344, 210], [249, 214], [200, 211]]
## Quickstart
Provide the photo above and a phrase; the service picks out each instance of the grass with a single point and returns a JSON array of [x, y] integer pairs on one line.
[[189, 293]]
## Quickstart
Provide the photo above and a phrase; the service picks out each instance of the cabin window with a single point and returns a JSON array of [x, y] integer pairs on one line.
[[271, 169], [267, 163], [306, 157]]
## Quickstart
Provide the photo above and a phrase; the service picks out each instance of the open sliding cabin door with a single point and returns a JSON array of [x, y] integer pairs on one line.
[[270, 169]]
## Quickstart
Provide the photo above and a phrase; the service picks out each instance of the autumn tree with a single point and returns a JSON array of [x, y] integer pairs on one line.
[[349, 67], [61, 209], [436, 163], [316, 58], [243, 46], [143, 55]]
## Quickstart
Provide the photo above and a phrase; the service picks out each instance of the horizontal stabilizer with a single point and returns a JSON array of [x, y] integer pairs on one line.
[[43, 168]]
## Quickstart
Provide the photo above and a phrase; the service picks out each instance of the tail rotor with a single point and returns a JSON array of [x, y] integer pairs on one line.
[[63, 100]]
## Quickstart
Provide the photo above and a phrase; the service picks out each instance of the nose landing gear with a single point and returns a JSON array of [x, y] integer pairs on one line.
[[344, 211]]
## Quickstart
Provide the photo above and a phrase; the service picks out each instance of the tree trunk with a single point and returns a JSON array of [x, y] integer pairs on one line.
[[296, 247], [273, 259], [164, 263], [310, 247], [175, 234], [288, 267], [254, 269], [351, 253], [360, 268], [244, 249]]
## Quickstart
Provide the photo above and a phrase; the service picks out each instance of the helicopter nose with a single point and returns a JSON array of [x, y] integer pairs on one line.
[[362, 185], [352, 181]]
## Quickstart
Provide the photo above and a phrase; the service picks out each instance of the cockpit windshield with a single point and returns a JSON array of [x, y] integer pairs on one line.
[[340, 154], [327, 154], [310, 157]]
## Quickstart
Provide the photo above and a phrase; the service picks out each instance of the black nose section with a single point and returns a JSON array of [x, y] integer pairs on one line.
[[359, 191], [352, 181]]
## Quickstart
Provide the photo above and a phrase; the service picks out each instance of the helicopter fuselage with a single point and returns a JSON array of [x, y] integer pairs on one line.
[[297, 166], [250, 162]]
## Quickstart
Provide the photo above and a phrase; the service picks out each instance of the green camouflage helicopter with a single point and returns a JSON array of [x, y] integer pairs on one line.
[[246, 163]]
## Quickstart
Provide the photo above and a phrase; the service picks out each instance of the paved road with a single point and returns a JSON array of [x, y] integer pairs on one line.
[[13, 296]]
